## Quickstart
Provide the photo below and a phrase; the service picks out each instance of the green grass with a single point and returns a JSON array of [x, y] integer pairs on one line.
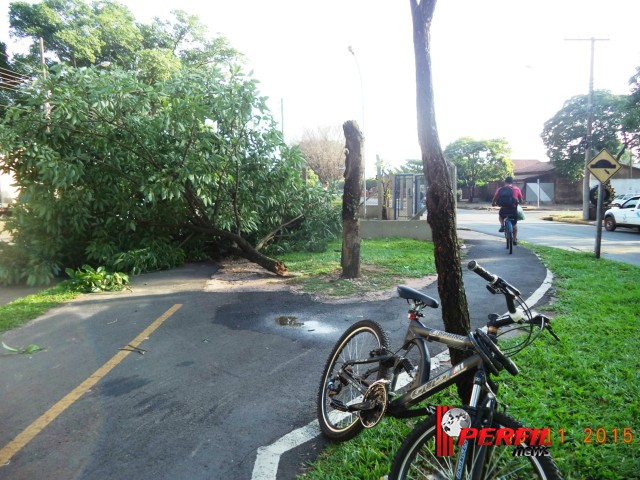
[[591, 380], [23, 310], [383, 263]]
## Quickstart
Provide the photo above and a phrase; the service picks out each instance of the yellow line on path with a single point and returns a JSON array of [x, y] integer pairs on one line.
[[29, 433]]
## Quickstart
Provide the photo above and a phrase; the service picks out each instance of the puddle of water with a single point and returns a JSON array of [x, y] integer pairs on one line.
[[287, 321], [309, 326]]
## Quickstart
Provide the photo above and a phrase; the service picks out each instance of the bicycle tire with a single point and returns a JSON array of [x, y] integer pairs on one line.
[[416, 457], [509, 236], [356, 342]]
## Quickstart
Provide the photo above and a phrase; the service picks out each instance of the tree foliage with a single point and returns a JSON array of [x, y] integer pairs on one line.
[[479, 161], [323, 150], [412, 166], [82, 34], [122, 172], [565, 135], [631, 115], [169, 154]]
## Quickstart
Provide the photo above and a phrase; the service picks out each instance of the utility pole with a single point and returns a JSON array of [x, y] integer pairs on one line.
[[43, 63], [364, 165], [588, 145]]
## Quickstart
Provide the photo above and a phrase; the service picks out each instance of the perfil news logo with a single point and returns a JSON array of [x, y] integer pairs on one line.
[[456, 422]]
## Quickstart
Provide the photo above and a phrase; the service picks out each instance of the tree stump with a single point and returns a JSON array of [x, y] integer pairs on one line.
[[350, 259]]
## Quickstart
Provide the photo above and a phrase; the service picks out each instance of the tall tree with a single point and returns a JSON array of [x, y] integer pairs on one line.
[[631, 117], [565, 135], [323, 150], [479, 161], [76, 32], [83, 34], [441, 195]]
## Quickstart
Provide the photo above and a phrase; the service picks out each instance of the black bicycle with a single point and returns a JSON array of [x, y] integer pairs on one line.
[[363, 380], [508, 233]]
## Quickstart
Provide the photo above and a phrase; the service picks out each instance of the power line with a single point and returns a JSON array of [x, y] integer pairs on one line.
[[29, 67], [8, 77], [13, 73], [8, 88]]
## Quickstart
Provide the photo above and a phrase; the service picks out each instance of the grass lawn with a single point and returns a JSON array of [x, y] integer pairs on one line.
[[27, 308], [585, 389]]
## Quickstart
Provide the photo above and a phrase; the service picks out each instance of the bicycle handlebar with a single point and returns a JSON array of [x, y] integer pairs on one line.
[[496, 284], [475, 267]]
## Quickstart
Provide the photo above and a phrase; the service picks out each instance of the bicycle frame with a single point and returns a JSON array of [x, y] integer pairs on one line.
[[508, 224], [401, 407], [508, 232]]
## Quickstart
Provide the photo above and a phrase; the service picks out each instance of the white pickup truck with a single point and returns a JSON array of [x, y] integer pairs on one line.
[[626, 215]]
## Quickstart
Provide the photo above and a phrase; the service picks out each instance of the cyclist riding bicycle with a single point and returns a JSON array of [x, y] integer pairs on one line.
[[507, 198]]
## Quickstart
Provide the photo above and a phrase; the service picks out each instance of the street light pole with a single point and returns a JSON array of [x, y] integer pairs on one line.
[[588, 143], [364, 160]]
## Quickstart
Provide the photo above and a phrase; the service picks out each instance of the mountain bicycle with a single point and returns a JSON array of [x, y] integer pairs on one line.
[[508, 233], [364, 380]]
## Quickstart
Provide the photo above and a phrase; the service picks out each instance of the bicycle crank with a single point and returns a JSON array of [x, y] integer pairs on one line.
[[377, 399]]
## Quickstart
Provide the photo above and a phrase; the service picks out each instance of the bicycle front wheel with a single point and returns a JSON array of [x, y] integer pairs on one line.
[[358, 342], [417, 459]]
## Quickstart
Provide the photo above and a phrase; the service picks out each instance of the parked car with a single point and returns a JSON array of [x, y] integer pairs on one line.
[[623, 197], [626, 215]]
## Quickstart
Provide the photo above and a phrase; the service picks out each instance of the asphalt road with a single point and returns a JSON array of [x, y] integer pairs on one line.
[[220, 374], [622, 245]]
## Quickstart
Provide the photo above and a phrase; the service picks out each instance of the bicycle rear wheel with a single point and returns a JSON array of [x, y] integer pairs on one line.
[[358, 342], [416, 458], [508, 233]]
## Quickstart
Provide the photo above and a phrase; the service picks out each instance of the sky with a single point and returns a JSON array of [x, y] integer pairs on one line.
[[501, 68]]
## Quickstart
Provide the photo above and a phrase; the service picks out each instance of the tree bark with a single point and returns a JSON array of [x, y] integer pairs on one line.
[[245, 249], [350, 259], [441, 194]]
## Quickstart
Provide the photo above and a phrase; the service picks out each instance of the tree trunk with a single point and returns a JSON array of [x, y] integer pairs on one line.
[[245, 249], [441, 194], [350, 260]]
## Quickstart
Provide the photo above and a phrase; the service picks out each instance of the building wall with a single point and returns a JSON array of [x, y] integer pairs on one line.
[[8, 192]]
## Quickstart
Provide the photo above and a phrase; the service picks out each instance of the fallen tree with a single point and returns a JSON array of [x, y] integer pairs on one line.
[[137, 177]]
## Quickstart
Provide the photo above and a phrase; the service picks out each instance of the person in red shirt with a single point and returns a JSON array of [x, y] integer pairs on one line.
[[507, 198]]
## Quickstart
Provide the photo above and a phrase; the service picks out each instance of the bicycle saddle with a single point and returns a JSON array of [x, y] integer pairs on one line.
[[409, 293]]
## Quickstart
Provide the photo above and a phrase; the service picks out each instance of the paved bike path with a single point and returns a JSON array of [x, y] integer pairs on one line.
[[220, 378]]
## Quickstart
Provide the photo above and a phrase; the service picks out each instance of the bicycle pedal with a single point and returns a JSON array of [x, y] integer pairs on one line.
[[338, 405], [333, 389]]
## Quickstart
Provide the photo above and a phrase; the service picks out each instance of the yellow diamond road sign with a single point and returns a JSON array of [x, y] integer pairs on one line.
[[603, 166]]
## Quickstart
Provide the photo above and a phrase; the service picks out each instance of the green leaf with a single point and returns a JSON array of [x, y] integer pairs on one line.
[[11, 349], [33, 348]]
